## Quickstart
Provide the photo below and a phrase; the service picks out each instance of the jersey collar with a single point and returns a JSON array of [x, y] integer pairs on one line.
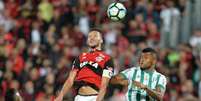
[[94, 50]]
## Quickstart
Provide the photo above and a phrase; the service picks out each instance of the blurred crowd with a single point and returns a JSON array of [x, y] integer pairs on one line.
[[40, 38]]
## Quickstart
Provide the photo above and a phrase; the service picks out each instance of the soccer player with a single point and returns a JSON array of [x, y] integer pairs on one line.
[[90, 72], [144, 82]]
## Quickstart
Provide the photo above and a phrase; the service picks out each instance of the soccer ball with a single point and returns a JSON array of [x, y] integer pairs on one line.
[[116, 11]]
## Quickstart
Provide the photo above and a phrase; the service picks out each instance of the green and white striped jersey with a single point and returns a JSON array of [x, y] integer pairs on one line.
[[150, 79]]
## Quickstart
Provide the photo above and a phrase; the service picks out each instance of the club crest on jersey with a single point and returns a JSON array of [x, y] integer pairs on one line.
[[99, 59], [94, 64]]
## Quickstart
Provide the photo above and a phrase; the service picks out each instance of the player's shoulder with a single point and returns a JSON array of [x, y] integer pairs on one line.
[[136, 68], [161, 75], [133, 69], [83, 54], [104, 53]]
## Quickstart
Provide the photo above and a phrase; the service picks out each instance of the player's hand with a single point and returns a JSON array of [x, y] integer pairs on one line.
[[139, 85], [59, 97]]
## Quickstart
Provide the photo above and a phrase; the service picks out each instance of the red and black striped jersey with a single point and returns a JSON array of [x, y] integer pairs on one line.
[[90, 66]]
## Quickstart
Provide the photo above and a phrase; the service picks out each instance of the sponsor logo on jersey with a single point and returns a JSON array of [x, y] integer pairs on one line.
[[94, 64]]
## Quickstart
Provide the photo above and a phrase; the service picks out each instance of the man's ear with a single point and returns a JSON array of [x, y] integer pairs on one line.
[[155, 61], [101, 41]]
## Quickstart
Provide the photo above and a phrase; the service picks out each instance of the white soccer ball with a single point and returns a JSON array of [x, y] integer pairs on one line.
[[116, 11]]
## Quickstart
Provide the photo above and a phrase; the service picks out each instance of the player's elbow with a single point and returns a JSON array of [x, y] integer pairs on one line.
[[103, 86], [114, 80], [118, 80], [103, 89], [160, 97]]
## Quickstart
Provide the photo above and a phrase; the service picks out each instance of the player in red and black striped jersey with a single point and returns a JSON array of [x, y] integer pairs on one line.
[[90, 72]]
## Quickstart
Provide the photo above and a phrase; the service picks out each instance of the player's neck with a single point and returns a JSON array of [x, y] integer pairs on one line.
[[151, 69], [96, 48]]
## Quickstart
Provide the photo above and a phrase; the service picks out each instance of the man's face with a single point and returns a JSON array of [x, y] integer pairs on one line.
[[94, 39], [147, 60]]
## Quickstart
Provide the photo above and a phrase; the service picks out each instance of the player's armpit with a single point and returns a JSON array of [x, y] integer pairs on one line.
[[76, 64], [119, 79]]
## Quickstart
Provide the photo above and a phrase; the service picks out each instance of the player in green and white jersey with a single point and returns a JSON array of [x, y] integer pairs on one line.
[[144, 82]]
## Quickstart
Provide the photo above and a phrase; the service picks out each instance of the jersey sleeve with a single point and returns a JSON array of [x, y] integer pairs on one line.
[[76, 64], [162, 82], [127, 74], [108, 69]]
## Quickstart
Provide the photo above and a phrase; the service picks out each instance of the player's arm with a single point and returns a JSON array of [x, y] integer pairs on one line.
[[160, 88], [103, 88], [107, 74], [122, 78], [157, 93], [67, 85], [119, 79], [69, 82]]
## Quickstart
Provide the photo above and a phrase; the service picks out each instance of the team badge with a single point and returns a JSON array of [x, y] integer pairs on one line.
[[99, 59]]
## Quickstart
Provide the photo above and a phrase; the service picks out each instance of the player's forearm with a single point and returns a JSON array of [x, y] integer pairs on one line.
[[69, 82], [66, 87], [118, 80], [103, 88], [101, 94], [114, 80], [154, 94]]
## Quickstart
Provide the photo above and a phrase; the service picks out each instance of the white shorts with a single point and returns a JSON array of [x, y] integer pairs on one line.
[[85, 98]]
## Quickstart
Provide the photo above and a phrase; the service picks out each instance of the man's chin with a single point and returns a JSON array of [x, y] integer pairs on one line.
[[144, 68], [93, 46]]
